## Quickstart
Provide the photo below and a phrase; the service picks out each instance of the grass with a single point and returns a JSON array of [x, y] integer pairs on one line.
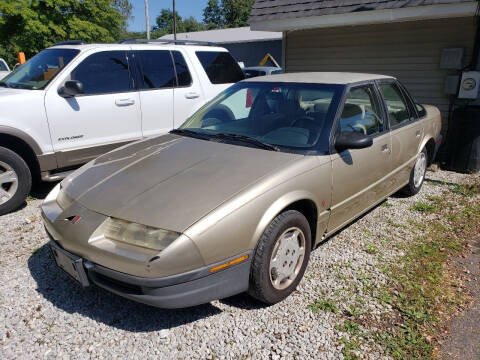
[[420, 291], [420, 288], [324, 305], [423, 206]]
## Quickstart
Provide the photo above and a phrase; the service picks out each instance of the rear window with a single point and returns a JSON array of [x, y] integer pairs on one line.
[[183, 74], [157, 69], [221, 67], [3, 67]]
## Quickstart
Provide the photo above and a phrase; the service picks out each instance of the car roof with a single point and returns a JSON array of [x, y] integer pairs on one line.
[[143, 46], [320, 77]]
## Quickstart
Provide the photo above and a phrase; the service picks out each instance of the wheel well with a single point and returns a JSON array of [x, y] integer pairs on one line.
[[309, 210], [24, 150], [431, 150]]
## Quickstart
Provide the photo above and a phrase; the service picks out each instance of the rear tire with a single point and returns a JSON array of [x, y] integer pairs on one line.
[[280, 258], [417, 175], [15, 181]]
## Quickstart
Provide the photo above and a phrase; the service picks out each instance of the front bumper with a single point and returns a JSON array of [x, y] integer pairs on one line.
[[191, 288]]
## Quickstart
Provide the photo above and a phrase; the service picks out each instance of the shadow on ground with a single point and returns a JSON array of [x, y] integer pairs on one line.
[[102, 306]]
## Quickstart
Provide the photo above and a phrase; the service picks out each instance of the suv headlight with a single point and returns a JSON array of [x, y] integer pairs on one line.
[[137, 234]]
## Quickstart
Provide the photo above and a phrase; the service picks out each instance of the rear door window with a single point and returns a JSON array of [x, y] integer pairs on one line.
[[157, 69], [220, 66], [362, 112], [181, 67], [398, 113], [104, 72]]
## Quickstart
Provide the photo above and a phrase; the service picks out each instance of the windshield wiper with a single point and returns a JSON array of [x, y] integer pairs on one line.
[[247, 139], [190, 133]]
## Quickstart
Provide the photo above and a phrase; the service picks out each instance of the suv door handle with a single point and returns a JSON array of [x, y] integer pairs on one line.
[[385, 148], [124, 102], [192, 95]]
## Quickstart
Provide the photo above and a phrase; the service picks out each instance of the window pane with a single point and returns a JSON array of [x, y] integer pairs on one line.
[[220, 67], [37, 72], [362, 112], [3, 67], [283, 114], [157, 69], [421, 110], [397, 109], [104, 72], [183, 74]]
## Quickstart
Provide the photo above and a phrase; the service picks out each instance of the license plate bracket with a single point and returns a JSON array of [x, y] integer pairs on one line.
[[71, 264]]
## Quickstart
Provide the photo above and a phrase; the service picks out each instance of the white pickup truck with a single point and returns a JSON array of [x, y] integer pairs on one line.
[[73, 102]]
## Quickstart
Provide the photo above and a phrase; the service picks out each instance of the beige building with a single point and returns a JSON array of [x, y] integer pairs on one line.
[[419, 42]]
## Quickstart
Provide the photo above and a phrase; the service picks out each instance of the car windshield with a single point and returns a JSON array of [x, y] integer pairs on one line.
[[283, 115], [37, 72]]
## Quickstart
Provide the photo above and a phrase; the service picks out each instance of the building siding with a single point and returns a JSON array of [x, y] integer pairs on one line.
[[409, 51]]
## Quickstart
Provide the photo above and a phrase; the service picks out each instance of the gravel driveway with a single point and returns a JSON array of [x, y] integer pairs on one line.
[[44, 314]]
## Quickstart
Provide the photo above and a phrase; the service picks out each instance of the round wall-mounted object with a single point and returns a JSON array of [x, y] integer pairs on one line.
[[469, 84]]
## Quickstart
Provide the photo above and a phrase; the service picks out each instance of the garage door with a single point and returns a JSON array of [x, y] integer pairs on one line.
[[409, 51]]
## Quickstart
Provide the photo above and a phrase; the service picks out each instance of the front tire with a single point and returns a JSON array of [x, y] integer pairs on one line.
[[280, 258], [417, 175], [15, 181]]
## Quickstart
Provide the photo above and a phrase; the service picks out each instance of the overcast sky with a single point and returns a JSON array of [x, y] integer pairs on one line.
[[185, 8]]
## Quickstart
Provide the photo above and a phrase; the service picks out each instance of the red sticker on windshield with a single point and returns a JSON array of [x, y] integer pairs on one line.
[[249, 99]]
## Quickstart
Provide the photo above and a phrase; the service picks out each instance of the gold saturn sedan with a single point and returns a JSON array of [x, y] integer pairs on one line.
[[236, 198]]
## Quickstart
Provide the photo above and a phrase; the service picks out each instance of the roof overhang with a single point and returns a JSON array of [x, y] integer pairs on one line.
[[369, 17]]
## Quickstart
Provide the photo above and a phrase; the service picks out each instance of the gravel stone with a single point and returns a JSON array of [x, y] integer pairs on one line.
[[43, 313]]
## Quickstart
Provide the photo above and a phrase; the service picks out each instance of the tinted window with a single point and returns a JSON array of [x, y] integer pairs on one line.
[[220, 67], [396, 107], [37, 72], [362, 112], [157, 69], [104, 72], [183, 74], [3, 67], [283, 114]]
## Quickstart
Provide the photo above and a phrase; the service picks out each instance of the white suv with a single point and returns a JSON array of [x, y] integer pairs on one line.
[[73, 102]]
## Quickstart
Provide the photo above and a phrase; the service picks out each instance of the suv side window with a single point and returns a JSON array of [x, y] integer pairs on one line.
[[104, 72], [156, 69], [183, 74], [362, 112], [397, 109], [220, 66]]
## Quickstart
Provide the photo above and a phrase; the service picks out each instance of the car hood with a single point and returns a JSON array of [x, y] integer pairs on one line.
[[170, 182]]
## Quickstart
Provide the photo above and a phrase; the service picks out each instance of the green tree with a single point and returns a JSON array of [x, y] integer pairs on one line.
[[236, 12], [32, 25], [212, 15], [191, 24], [165, 22]]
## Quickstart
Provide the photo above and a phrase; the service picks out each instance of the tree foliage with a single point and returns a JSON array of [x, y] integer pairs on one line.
[[236, 12], [32, 25], [213, 15], [164, 24]]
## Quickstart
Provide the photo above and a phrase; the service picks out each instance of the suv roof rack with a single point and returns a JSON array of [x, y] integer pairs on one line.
[[167, 41], [70, 42]]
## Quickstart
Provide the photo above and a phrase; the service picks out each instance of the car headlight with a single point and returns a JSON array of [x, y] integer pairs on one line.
[[137, 234]]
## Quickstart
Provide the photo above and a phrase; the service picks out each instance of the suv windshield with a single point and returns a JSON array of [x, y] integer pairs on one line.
[[37, 72], [285, 115]]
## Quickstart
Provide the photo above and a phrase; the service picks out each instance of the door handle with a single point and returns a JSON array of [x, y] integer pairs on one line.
[[192, 95], [124, 102], [385, 148], [418, 133]]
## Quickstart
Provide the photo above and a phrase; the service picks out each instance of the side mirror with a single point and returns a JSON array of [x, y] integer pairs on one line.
[[352, 140], [70, 89]]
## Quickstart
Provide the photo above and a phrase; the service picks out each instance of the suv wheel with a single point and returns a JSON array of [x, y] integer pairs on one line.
[[417, 175], [280, 258], [15, 180]]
